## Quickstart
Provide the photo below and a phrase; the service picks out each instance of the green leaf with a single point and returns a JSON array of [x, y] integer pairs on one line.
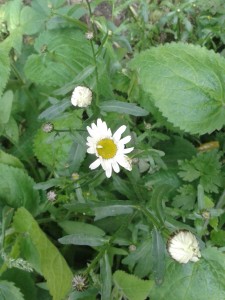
[[16, 188], [63, 54], [9, 291], [31, 20], [72, 227], [123, 108], [53, 265], [4, 66], [131, 286], [112, 210], [158, 252], [83, 239], [10, 160], [203, 280], [6, 106], [11, 131], [186, 83], [206, 167], [141, 259], [23, 280], [106, 277], [53, 149]]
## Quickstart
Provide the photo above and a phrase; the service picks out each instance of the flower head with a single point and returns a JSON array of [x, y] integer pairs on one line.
[[81, 96], [80, 282], [110, 149], [183, 247], [48, 127], [51, 196]]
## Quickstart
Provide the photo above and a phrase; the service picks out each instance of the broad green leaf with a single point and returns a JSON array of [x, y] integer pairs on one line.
[[53, 265], [9, 291], [186, 83], [158, 253], [53, 149], [123, 108], [11, 131], [131, 286], [6, 106], [83, 239], [23, 281], [63, 54], [10, 160], [31, 20], [4, 66], [203, 280], [72, 227], [16, 188]]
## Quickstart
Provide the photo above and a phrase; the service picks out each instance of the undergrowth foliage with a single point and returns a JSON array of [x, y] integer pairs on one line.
[[112, 178]]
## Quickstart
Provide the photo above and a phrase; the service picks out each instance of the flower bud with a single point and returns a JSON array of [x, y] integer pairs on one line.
[[81, 97]]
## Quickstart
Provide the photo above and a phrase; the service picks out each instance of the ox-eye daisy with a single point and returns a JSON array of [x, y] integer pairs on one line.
[[183, 247], [110, 149]]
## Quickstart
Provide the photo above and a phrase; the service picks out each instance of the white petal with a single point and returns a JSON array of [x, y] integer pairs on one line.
[[128, 150], [116, 167], [125, 140], [108, 171], [119, 132], [124, 162], [90, 131], [95, 164], [91, 150]]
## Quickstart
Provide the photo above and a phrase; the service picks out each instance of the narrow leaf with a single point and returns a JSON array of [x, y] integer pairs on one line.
[[123, 108]]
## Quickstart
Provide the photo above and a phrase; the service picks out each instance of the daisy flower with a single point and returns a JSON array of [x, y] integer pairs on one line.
[[183, 247], [81, 96], [109, 149]]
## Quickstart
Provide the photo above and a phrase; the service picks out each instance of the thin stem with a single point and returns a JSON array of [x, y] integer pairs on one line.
[[106, 246], [94, 54]]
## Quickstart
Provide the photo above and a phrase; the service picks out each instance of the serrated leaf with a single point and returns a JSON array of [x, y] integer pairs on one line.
[[53, 149], [6, 106], [131, 286], [63, 54], [186, 83], [10, 160], [4, 66], [204, 280], [23, 281], [123, 108], [16, 188], [9, 291], [206, 167], [53, 265]]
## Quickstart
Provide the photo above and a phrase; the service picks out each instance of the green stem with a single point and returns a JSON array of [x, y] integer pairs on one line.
[[106, 246], [94, 54]]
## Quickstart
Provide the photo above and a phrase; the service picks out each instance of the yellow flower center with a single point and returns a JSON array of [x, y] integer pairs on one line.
[[106, 148]]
